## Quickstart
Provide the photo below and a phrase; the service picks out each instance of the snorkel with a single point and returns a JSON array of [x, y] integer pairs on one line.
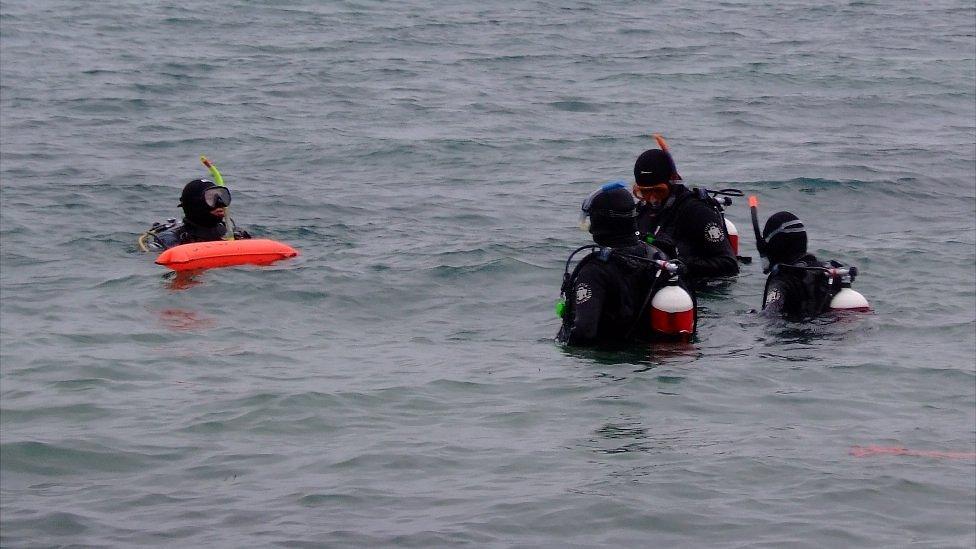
[[214, 172], [219, 180], [760, 241], [661, 142]]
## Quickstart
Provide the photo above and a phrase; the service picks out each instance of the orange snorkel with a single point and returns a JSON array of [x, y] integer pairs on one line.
[[664, 147]]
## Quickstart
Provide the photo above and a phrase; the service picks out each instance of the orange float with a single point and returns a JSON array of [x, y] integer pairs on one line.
[[224, 253]]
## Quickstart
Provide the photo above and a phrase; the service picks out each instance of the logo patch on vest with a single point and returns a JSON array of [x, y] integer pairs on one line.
[[713, 233], [583, 293], [773, 296]]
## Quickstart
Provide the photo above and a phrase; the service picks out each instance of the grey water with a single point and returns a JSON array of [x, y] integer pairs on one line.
[[397, 384]]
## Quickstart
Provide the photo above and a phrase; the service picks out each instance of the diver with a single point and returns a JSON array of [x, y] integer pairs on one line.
[[205, 219], [688, 222], [608, 296], [799, 286]]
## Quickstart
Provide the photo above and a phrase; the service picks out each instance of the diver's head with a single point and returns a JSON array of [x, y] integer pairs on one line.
[[610, 215], [204, 202], [654, 172], [786, 238]]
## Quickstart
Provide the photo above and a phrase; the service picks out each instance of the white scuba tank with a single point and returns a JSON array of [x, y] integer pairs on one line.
[[849, 299], [733, 235], [673, 312]]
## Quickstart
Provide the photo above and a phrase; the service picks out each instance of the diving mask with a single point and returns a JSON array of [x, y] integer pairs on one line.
[[586, 210], [217, 197]]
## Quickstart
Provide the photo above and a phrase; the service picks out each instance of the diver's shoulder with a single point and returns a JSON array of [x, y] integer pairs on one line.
[[596, 264], [161, 226], [161, 235]]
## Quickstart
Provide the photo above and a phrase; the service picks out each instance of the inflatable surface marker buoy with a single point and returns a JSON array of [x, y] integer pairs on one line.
[[224, 253]]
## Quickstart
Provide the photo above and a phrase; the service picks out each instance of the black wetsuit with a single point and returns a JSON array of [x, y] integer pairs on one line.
[[796, 293], [165, 236], [607, 296], [696, 231]]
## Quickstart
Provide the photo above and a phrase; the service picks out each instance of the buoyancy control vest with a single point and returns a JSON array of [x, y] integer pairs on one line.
[[673, 210], [165, 235], [808, 288], [691, 226], [661, 305]]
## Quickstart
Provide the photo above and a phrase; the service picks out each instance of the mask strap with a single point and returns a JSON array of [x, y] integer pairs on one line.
[[795, 226]]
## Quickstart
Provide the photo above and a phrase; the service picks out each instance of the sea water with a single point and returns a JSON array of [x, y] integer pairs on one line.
[[398, 384]]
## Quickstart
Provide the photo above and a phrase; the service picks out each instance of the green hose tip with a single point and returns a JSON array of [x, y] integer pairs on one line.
[[561, 308], [214, 172]]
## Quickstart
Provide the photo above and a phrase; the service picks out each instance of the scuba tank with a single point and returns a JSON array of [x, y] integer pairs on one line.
[[849, 300], [673, 312], [846, 298], [733, 235]]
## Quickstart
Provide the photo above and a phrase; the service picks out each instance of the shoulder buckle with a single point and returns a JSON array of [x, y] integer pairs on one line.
[[158, 227]]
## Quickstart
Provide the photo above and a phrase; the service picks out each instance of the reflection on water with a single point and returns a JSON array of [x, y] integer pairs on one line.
[[182, 280], [622, 437], [627, 434], [181, 320], [644, 356], [833, 326]]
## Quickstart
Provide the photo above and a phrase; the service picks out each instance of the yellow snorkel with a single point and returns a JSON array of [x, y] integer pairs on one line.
[[214, 172], [219, 180]]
